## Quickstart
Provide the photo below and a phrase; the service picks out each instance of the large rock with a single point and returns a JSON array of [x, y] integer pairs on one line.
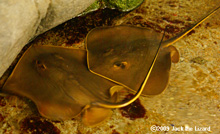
[[21, 20]]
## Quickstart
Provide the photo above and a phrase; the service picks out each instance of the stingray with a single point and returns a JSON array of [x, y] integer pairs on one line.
[[58, 81], [123, 54]]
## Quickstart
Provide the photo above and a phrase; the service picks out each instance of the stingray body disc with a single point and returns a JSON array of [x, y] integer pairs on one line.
[[122, 54]]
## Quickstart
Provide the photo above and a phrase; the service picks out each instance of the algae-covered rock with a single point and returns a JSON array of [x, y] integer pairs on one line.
[[121, 5], [93, 7], [125, 5]]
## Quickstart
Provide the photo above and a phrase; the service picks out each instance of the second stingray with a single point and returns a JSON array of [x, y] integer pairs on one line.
[[122, 54]]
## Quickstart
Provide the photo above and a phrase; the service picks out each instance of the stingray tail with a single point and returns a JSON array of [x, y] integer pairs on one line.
[[138, 93], [185, 32]]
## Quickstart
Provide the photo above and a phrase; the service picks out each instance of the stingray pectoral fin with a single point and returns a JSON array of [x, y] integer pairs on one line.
[[174, 54], [94, 115], [159, 78], [59, 110]]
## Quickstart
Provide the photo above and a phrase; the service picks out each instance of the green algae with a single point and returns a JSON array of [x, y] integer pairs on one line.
[[121, 5]]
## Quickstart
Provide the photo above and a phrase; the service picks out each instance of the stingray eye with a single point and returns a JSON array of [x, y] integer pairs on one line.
[[40, 65], [121, 65]]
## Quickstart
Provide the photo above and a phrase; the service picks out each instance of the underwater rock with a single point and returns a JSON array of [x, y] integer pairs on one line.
[[31, 19]]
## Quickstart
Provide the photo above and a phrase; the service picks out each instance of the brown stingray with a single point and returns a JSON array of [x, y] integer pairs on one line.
[[123, 53], [57, 80]]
